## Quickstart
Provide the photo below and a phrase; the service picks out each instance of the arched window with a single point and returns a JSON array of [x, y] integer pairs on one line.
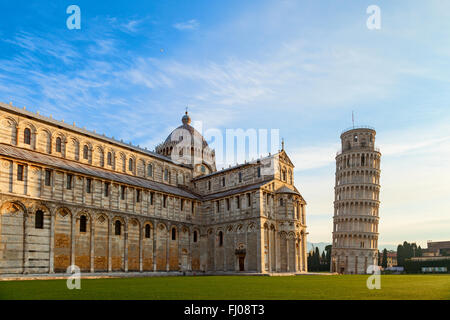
[[27, 136], [150, 170], [85, 152], [174, 234], [281, 202], [195, 236], [166, 174], [220, 238], [290, 176], [58, 144], [109, 159], [130, 164], [117, 227], [284, 175], [39, 220], [83, 222], [363, 160], [147, 231]]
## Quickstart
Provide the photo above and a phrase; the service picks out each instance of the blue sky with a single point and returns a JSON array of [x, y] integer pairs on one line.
[[297, 66]]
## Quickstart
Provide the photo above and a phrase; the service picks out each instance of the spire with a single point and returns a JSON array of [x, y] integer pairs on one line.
[[282, 144]]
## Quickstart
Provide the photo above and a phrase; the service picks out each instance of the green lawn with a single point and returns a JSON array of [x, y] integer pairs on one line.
[[235, 287]]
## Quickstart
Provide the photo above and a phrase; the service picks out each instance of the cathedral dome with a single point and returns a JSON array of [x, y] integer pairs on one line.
[[176, 135], [186, 145]]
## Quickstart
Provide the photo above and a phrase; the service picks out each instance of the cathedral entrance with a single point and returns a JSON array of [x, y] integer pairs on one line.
[[240, 254], [241, 263]]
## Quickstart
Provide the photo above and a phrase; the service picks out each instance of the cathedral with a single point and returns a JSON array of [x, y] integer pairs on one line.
[[69, 196]]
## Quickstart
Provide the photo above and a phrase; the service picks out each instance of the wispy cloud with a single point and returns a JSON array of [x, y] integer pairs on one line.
[[192, 24]]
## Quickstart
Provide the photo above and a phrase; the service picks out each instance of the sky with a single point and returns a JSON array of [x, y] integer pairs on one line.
[[300, 67]]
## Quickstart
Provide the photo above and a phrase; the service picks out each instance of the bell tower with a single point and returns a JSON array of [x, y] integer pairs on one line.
[[356, 205]]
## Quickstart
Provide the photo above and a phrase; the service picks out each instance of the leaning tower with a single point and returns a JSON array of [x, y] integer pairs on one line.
[[357, 189]]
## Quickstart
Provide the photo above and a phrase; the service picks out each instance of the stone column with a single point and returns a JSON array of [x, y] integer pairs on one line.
[[125, 255], [190, 250], [277, 251], [25, 244], [167, 248], [269, 248], [110, 225], [91, 221], [305, 264], [260, 248], [154, 245], [180, 231], [72, 239], [52, 243], [287, 254], [141, 248]]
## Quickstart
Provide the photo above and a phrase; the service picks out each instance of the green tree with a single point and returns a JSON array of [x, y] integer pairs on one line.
[[384, 264], [419, 252], [317, 258], [400, 256]]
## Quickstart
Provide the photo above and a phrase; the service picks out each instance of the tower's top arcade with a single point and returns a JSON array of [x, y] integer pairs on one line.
[[358, 137]]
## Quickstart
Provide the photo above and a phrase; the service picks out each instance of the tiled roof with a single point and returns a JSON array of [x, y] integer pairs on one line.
[[73, 166]]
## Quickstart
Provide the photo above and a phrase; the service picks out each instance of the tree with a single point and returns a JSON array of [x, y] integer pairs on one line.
[[400, 256], [384, 264], [419, 252], [380, 258], [317, 258]]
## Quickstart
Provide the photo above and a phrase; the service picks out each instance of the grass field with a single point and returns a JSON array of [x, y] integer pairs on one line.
[[234, 287]]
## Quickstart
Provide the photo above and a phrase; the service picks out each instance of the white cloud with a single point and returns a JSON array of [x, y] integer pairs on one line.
[[188, 25]]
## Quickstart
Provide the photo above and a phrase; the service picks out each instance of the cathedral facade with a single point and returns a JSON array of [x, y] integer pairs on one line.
[[69, 196]]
